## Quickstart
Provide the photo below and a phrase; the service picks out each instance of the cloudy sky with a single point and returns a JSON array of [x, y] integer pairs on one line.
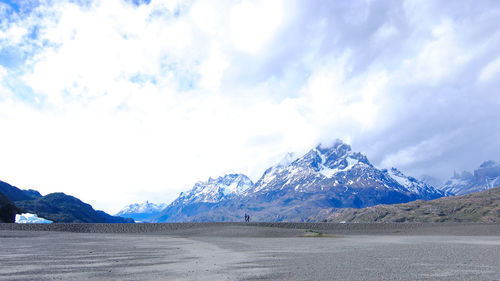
[[120, 101]]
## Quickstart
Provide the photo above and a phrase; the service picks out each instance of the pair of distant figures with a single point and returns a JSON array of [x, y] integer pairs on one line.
[[247, 218]]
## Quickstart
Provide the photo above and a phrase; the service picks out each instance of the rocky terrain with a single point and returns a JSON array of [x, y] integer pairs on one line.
[[306, 188], [59, 207], [475, 207], [250, 251], [485, 177], [8, 210], [56, 207], [208, 201], [17, 194]]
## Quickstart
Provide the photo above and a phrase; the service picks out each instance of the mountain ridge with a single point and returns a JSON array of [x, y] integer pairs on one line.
[[57, 207], [486, 176], [303, 189], [473, 207], [141, 212]]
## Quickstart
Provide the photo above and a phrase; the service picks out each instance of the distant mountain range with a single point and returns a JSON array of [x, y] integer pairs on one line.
[[204, 202], [57, 207], [485, 177], [306, 188], [310, 188], [143, 212], [475, 207]]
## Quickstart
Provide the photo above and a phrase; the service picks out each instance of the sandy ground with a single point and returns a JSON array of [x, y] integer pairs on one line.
[[255, 252]]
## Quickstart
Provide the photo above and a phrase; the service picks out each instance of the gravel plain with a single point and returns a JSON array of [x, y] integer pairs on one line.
[[254, 251]]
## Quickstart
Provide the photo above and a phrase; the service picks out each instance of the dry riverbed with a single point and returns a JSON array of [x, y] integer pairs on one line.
[[234, 251]]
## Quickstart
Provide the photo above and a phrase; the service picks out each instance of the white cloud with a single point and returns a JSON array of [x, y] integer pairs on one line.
[[439, 57], [212, 69], [384, 34], [342, 103], [253, 23], [14, 34], [490, 71], [130, 102], [3, 72], [424, 150]]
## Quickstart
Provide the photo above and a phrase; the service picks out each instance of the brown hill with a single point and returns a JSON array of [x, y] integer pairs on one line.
[[475, 207]]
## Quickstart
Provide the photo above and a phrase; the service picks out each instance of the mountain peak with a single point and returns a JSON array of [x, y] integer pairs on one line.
[[463, 175], [326, 160], [395, 171], [215, 190], [339, 154], [326, 177], [338, 146], [141, 212], [488, 164], [145, 207], [485, 177], [287, 159]]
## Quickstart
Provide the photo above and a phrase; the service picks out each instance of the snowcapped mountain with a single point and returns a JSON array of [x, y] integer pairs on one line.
[[299, 189], [215, 190], [205, 196], [431, 180], [145, 207], [485, 177], [210, 191], [324, 168], [414, 185], [141, 212]]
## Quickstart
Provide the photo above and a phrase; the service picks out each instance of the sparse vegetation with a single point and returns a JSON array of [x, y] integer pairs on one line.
[[315, 233], [475, 207]]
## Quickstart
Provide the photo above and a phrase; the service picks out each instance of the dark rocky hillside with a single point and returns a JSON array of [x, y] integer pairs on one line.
[[59, 207], [14, 193], [475, 207], [8, 210], [32, 193]]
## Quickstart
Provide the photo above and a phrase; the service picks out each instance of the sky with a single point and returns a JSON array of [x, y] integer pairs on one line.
[[122, 101]]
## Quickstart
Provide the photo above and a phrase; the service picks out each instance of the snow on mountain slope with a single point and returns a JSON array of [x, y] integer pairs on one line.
[[412, 184], [299, 189], [485, 177], [210, 191], [316, 165], [141, 212], [335, 166], [145, 207], [30, 218], [215, 190], [207, 197]]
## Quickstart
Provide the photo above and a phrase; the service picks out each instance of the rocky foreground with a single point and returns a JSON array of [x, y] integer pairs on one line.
[[238, 251], [475, 207], [265, 229]]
